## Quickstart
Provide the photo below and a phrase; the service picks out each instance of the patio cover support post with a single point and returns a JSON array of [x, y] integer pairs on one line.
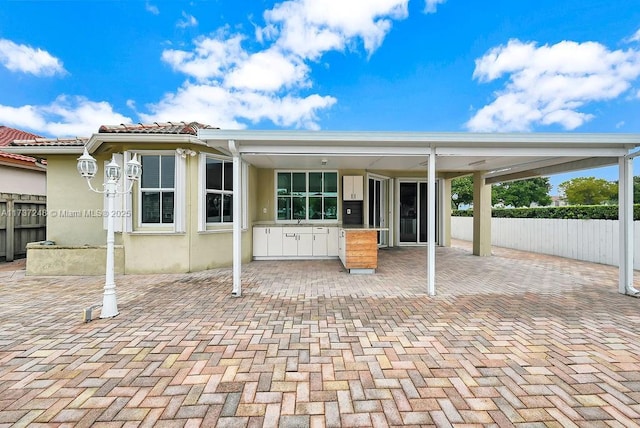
[[445, 239], [431, 227], [625, 216], [237, 220], [481, 215]]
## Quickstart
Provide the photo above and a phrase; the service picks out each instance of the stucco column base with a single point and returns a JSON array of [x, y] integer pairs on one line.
[[481, 215]]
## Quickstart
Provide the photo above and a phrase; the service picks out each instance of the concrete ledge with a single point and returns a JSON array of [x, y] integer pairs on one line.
[[48, 260]]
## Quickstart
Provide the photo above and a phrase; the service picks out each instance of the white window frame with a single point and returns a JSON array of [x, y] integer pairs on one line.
[[306, 219], [203, 225], [179, 195]]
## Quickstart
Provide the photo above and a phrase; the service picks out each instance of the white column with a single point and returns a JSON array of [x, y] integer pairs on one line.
[[431, 223], [625, 221], [237, 220], [109, 301]]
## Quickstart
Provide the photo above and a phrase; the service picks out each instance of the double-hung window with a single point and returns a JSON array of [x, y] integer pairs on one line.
[[219, 191], [307, 195], [157, 189]]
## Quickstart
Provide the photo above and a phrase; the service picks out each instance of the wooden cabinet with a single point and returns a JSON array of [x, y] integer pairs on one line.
[[359, 250], [267, 241], [352, 188]]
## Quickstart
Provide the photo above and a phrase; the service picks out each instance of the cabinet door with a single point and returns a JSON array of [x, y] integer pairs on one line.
[[289, 243], [305, 244], [260, 242], [352, 188], [332, 242], [320, 243], [358, 188], [347, 188], [342, 249], [275, 241]]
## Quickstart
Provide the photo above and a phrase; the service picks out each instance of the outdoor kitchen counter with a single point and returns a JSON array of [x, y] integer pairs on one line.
[[358, 248]]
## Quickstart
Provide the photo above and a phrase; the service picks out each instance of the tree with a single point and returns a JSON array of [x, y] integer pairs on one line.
[[462, 191], [522, 193], [588, 191], [636, 189]]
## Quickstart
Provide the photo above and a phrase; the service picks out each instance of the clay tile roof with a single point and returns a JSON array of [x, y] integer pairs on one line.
[[17, 157], [64, 142], [155, 128], [7, 135]]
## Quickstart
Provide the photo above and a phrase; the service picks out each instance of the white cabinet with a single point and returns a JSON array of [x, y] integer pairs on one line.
[[267, 241], [325, 241], [305, 244], [352, 188], [342, 246], [297, 241], [332, 242], [320, 243]]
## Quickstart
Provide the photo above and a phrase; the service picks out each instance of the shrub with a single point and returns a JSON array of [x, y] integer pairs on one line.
[[579, 212]]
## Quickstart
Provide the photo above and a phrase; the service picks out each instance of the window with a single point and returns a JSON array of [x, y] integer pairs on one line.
[[157, 189], [307, 195], [219, 191]]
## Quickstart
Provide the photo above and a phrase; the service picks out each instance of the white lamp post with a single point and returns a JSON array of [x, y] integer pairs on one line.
[[87, 167]]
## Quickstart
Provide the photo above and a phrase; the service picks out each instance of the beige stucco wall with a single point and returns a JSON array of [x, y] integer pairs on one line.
[[22, 181], [154, 251], [69, 202], [61, 260], [265, 209], [191, 251], [73, 228]]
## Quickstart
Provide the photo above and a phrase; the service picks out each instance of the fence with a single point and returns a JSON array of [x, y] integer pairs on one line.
[[22, 220], [589, 240]]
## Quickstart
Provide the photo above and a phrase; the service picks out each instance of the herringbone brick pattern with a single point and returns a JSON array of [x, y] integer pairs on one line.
[[511, 340]]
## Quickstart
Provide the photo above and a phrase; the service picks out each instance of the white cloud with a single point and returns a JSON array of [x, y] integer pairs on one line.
[[229, 84], [546, 85], [153, 9], [25, 59], [187, 21], [211, 58], [309, 28], [269, 70], [65, 117], [226, 84], [431, 6], [635, 37], [225, 108]]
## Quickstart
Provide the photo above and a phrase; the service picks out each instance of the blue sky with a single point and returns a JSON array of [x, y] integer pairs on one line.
[[66, 67]]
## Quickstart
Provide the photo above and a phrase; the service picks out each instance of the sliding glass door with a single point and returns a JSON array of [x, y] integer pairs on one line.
[[413, 212]]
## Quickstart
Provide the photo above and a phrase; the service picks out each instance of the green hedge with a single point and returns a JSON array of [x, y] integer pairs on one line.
[[581, 212]]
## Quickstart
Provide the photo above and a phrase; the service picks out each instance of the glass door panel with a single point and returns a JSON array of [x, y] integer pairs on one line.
[[408, 212], [423, 212]]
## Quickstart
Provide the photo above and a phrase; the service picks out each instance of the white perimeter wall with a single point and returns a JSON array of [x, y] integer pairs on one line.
[[588, 240]]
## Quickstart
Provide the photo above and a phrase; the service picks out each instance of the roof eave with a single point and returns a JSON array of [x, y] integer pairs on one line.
[[97, 140], [434, 139], [44, 150]]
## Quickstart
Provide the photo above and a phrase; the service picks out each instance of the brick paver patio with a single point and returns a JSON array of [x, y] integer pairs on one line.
[[513, 339]]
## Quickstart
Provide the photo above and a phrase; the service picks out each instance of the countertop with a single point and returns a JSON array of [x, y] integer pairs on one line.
[[321, 224]]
